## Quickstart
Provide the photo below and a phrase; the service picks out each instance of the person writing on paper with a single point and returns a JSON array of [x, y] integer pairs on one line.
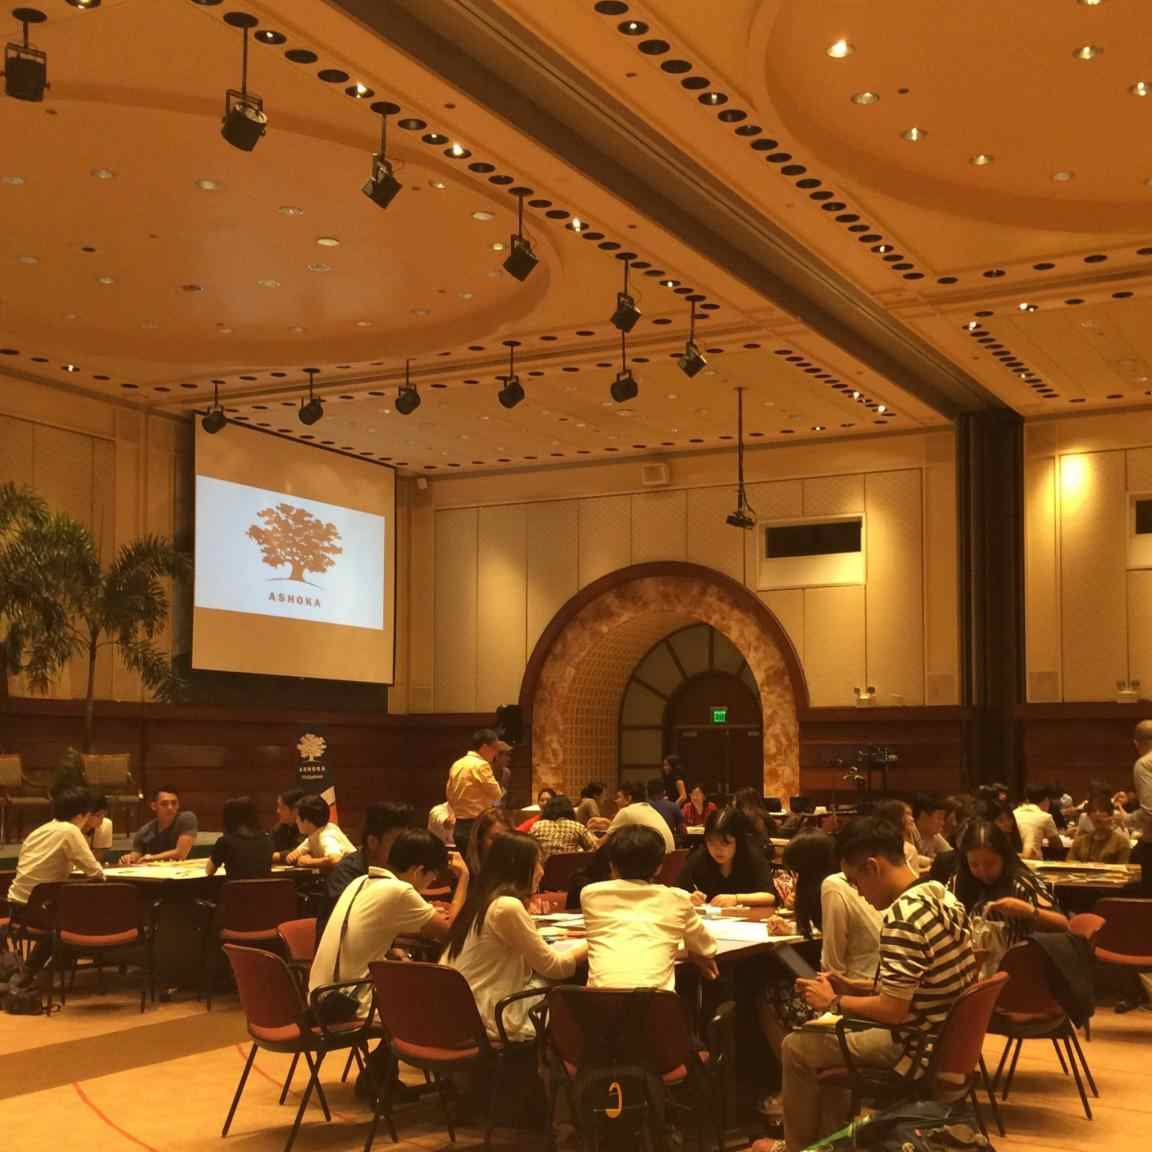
[[325, 844], [494, 944], [726, 870], [168, 836], [926, 961]]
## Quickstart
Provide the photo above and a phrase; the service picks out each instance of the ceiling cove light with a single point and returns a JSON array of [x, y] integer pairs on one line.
[[382, 187], [914, 135], [408, 397], [312, 410], [244, 122], [691, 360], [865, 98], [627, 315], [214, 419], [25, 67], [511, 390], [1141, 88], [981, 159], [1087, 51], [521, 259], [839, 49]]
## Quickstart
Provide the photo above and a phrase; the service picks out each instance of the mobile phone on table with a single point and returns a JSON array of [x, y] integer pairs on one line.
[[795, 963]]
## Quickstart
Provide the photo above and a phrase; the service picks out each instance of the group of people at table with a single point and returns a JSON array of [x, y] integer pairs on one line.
[[892, 895]]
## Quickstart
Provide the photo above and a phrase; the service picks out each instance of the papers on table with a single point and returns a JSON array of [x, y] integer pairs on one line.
[[824, 1021], [567, 919], [1079, 866], [745, 931]]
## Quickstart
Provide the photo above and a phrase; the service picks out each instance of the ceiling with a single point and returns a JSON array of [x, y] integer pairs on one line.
[[144, 259]]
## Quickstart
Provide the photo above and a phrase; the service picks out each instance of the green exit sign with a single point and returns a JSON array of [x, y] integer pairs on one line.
[[719, 715]]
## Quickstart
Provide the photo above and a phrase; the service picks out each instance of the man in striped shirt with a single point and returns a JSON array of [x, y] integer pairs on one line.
[[926, 961]]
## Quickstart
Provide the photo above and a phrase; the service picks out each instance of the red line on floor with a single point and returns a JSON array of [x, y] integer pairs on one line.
[[111, 1124], [344, 1119]]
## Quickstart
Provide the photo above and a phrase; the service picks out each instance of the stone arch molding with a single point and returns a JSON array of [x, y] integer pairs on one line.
[[580, 666]]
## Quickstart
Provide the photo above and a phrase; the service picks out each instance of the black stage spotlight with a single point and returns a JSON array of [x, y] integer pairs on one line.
[[627, 315], [521, 260], [312, 410], [624, 387], [25, 67], [511, 391], [382, 186], [744, 516], [691, 360], [214, 419], [244, 120], [408, 398]]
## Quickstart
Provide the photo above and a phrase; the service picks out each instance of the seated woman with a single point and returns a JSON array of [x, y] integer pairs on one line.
[[542, 798], [490, 824], [994, 812], [286, 836], [589, 806], [558, 830], [698, 808], [728, 868], [243, 851], [494, 944], [991, 881], [899, 813]]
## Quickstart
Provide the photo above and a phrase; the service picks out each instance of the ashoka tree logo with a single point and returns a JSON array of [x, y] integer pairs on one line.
[[293, 536], [311, 747]]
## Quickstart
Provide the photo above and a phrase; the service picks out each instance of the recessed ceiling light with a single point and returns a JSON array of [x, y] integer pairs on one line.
[[421, 311], [149, 325], [360, 91], [224, 330], [1087, 51], [12, 179], [192, 288], [913, 134], [105, 279], [881, 407], [1063, 176], [363, 323], [1141, 88], [1024, 306], [839, 49], [28, 259], [268, 283], [1090, 3], [206, 185], [482, 215], [465, 295], [981, 159], [672, 396], [70, 367], [855, 395], [817, 427], [319, 267], [298, 328], [458, 150], [439, 185], [972, 325], [576, 224], [497, 245], [290, 210], [865, 97], [328, 241], [103, 173]]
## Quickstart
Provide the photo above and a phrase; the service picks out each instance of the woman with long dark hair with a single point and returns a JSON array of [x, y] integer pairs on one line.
[[493, 943], [243, 851], [487, 827], [558, 830], [728, 869]]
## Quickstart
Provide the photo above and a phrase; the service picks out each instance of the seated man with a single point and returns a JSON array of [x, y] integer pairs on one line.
[[168, 836], [98, 827], [635, 926], [49, 854], [286, 836], [929, 814], [926, 961], [1034, 819], [657, 792], [634, 809], [325, 845], [383, 822]]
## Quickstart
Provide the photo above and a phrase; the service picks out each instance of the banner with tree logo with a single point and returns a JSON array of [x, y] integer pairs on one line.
[[313, 768]]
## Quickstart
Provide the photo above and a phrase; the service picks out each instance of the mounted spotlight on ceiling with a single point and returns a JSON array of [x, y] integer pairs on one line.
[[214, 419], [627, 315], [311, 411], [745, 515], [408, 398], [244, 120], [382, 186], [25, 67], [691, 360], [85, 5], [512, 391], [521, 259], [624, 387]]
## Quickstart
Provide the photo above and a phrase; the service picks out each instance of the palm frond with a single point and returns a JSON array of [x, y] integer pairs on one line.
[[19, 505], [154, 668]]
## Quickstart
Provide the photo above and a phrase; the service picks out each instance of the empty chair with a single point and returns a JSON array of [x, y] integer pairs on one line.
[[18, 795], [111, 775], [1125, 939]]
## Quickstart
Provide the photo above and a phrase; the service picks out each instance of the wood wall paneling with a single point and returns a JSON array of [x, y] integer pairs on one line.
[[605, 536], [659, 526], [834, 645], [501, 605], [941, 608], [710, 540], [456, 609], [553, 562], [1042, 579]]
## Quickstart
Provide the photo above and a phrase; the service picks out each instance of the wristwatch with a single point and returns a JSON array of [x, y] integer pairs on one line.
[[834, 1006]]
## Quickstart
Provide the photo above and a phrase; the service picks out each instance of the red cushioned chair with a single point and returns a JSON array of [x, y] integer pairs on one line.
[[102, 921], [247, 912], [279, 1019], [559, 869], [431, 1022], [672, 867], [592, 1028], [33, 923], [1028, 1010], [1125, 939], [953, 1066]]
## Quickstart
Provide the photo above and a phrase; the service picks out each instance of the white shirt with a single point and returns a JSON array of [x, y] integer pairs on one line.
[[441, 821], [48, 855], [329, 842], [850, 931], [643, 813], [503, 958], [1035, 826], [635, 929], [102, 836], [385, 908], [1142, 781]]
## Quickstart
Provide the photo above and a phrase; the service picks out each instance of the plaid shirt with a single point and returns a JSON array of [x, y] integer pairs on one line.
[[562, 836]]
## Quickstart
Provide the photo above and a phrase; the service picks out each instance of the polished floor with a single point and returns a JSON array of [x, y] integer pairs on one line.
[[99, 1077]]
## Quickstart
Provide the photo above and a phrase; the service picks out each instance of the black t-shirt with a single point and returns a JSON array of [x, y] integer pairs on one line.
[[246, 856], [285, 837], [701, 872]]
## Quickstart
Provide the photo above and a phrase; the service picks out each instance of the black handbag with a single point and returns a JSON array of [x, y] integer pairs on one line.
[[340, 1007]]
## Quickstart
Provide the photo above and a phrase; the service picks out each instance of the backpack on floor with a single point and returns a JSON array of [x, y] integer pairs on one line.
[[917, 1126], [20, 990]]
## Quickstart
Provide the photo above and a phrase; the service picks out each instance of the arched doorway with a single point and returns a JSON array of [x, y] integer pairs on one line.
[[576, 677]]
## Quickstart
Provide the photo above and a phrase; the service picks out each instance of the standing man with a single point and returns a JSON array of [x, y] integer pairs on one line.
[[1142, 775], [168, 836], [471, 785]]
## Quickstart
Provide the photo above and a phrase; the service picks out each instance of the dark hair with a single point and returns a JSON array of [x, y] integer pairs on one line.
[[813, 857], [922, 802], [592, 791], [870, 835], [292, 797], [1037, 793], [481, 829], [1097, 802], [943, 867], [984, 834], [546, 788], [636, 852], [630, 789], [240, 817], [69, 803], [751, 802], [558, 808], [508, 870], [893, 811], [699, 785], [384, 817], [155, 793], [673, 762], [99, 801], [314, 809], [747, 867], [417, 848], [484, 736], [990, 810], [655, 788]]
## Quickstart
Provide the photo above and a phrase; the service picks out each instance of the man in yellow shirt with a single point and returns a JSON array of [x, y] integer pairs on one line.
[[472, 786]]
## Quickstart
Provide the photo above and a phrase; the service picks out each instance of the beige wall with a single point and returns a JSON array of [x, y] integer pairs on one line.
[[117, 471], [494, 557], [1089, 616]]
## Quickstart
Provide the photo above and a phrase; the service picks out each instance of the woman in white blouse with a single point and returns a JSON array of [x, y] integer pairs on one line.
[[494, 944]]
